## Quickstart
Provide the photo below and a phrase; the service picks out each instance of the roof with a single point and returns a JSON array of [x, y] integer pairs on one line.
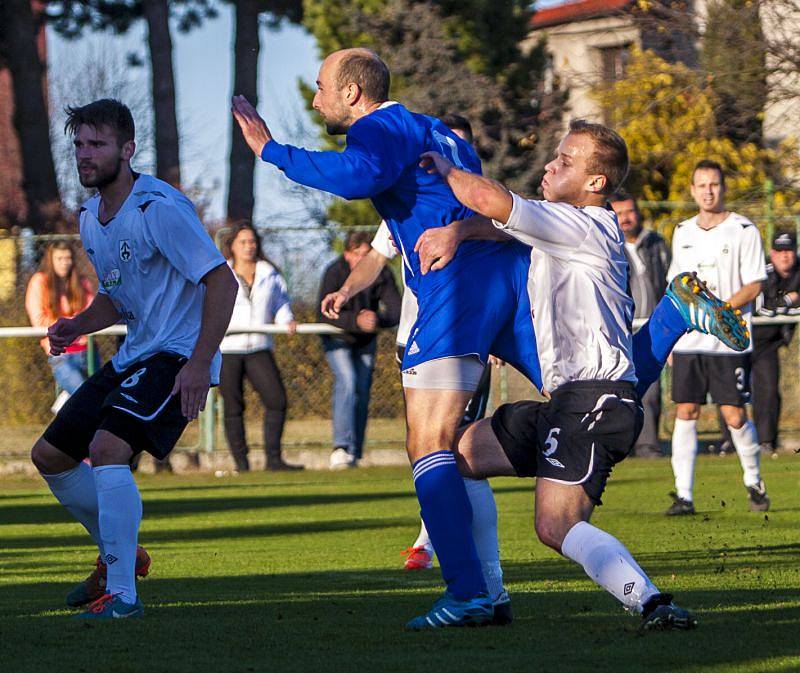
[[582, 10]]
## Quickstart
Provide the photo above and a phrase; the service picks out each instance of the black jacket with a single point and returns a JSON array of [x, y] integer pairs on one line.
[[382, 297], [654, 252], [770, 303]]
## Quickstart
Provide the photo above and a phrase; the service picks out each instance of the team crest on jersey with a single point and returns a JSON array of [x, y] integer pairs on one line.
[[125, 251], [112, 279]]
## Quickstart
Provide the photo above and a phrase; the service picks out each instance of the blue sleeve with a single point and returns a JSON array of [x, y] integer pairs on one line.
[[370, 164]]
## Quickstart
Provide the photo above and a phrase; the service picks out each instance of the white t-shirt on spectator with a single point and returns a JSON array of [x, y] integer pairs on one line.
[[150, 259], [726, 258], [382, 242]]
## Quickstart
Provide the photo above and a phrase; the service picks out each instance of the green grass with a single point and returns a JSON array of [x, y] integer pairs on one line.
[[301, 573]]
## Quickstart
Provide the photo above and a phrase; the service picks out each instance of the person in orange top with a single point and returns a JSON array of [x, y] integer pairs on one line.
[[57, 290]]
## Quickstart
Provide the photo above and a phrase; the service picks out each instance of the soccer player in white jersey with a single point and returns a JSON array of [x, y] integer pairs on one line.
[[582, 317], [160, 272], [725, 250]]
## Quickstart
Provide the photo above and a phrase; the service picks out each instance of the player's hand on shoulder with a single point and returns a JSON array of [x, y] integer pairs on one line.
[[61, 334], [367, 320], [192, 384], [436, 247], [433, 162], [332, 304], [254, 128]]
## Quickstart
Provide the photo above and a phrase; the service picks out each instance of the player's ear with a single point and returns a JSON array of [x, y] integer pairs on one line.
[[596, 184], [352, 93], [128, 149]]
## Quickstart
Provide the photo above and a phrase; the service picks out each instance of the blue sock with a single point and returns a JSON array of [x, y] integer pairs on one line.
[[653, 343], [448, 517]]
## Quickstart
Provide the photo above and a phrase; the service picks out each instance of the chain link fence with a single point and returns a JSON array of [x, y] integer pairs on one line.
[[302, 254]]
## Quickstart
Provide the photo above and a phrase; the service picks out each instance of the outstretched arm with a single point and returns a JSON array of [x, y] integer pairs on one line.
[[364, 274], [484, 196], [365, 168]]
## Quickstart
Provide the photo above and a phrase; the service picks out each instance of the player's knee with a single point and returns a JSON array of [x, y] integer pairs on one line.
[[40, 455], [48, 459], [551, 530], [107, 449]]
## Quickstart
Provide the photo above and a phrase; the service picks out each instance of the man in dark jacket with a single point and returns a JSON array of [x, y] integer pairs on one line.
[[780, 297], [351, 354], [648, 258]]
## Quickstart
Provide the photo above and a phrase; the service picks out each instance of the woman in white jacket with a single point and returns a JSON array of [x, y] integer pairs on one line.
[[262, 299]]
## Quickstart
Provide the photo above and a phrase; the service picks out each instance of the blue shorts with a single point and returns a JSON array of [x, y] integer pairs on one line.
[[478, 308]]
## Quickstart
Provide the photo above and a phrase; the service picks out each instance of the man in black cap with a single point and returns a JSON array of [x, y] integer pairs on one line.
[[781, 296]]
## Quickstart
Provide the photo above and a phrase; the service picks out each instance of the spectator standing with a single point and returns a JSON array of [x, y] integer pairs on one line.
[[724, 249], [351, 354], [59, 290], [781, 296], [262, 299], [648, 258]]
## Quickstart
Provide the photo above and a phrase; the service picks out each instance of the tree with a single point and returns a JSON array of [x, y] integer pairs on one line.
[[246, 50], [453, 57], [71, 17], [18, 52], [666, 113]]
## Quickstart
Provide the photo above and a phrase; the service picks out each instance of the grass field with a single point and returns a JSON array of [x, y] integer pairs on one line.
[[301, 573]]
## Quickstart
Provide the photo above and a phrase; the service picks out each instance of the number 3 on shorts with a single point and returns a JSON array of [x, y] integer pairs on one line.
[[551, 442]]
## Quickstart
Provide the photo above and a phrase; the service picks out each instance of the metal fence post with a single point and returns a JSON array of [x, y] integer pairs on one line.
[[208, 423], [90, 354]]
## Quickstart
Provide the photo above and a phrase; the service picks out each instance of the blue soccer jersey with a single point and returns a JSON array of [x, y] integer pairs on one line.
[[465, 307]]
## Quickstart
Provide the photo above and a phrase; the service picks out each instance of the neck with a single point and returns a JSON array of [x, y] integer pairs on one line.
[[244, 264], [363, 109], [632, 236], [784, 273], [708, 219], [113, 195]]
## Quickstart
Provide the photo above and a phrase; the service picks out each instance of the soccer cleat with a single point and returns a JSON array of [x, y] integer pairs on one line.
[[94, 586], [418, 558], [679, 506], [341, 459], [503, 615], [757, 497], [448, 611], [705, 313], [659, 613], [110, 606]]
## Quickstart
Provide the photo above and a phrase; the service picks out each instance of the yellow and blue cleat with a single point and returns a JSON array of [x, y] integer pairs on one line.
[[706, 313]]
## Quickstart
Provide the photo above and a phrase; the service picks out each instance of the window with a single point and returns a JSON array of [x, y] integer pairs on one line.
[[614, 61]]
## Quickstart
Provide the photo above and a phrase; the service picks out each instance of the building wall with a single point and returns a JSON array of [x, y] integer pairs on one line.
[[576, 52]]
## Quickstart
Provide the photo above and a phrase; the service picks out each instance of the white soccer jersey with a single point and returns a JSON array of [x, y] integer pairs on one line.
[[382, 242], [150, 258], [726, 257], [578, 287]]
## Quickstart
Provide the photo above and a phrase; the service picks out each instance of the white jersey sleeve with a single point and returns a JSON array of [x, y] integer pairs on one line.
[[177, 232], [382, 242], [556, 229], [281, 306], [752, 265]]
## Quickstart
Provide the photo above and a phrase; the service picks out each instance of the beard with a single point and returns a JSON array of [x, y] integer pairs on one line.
[[336, 128], [102, 176]]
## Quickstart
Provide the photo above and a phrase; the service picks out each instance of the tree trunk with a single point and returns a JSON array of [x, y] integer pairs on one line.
[[168, 165], [18, 44], [245, 82]]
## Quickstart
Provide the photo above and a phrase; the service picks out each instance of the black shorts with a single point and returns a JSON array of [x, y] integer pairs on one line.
[[725, 377], [134, 405], [576, 437]]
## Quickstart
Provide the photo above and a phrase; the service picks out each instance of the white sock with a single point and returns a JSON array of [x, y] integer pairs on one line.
[[120, 508], [423, 540], [745, 440], [484, 532], [684, 454], [606, 560], [75, 489]]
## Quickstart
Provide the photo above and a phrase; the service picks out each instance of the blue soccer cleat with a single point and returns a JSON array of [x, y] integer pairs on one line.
[[449, 611], [705, 313], [110, 606]]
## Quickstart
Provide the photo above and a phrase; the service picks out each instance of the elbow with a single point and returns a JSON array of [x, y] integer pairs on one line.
[[490, 202]]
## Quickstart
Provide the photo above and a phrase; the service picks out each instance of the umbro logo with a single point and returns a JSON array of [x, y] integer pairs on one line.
[[554, 462], [110, 559], [628, 588], [128, 397]]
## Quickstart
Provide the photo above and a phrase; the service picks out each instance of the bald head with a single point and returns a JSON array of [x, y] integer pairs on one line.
[[350, 84]]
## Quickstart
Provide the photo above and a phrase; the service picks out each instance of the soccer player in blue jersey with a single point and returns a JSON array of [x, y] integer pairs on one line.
[[451, 340]]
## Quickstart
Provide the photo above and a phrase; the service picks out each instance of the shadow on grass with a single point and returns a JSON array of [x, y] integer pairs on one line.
[[325, 621]]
